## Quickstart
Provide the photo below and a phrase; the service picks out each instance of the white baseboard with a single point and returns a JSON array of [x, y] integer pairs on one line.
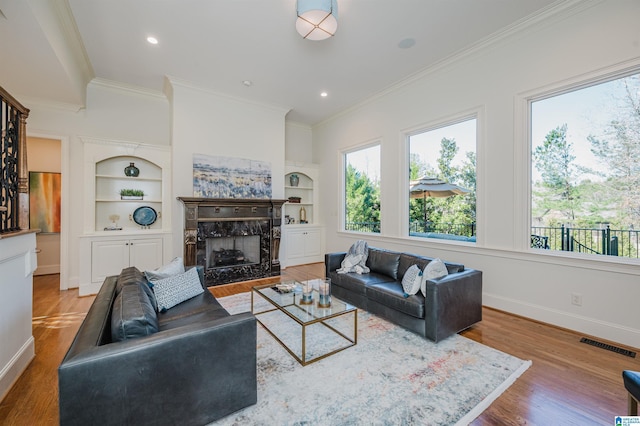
[[581, 324], [12, 371], [47, 269], [89, 289]]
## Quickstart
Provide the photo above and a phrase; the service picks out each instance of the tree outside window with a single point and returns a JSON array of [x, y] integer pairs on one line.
[[585, 174], [362, 190], [445, 154]]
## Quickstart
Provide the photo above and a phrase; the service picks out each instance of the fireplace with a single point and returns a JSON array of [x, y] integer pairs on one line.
[[233, 239]]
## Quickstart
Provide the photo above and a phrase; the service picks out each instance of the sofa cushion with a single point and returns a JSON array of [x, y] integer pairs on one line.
[[175, 267], [391, 295], [407, 260], [133, 276], [197, 310], [411, 280], [384, 262], [358, 283], [132, 314], [176, 289]]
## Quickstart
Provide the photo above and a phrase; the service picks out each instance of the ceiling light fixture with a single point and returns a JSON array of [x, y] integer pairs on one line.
[[324, 94], [152, 40], [317, 19]]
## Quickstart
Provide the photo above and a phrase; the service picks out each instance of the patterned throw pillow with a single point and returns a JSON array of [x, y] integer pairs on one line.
[[411, 280], [434, 269], [176, 266], [176, 289]]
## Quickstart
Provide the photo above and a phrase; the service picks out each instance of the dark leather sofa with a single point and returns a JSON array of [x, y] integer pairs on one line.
[[196, 366], [453, 302]]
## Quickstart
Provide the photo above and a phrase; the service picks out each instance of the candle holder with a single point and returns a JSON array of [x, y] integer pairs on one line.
[[324, 293], [307, 293]]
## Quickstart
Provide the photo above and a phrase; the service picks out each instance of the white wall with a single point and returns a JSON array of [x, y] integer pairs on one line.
[[114, 113], [208, 123], [593, 37], [298, 143]]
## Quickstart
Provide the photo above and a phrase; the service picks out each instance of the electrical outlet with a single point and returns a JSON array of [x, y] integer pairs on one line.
[[576, 299]]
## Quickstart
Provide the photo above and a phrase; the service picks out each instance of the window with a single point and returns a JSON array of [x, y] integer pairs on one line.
[[362, 190], [585, 169], [442, 182]]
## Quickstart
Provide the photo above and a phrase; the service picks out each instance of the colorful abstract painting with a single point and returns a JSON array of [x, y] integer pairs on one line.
[[230, 177], [44, 201]]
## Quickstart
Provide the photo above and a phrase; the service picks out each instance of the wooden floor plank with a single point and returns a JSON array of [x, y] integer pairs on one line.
[[569, 383]]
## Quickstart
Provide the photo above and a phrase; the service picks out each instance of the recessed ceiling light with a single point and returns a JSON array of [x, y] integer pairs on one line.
[[324, 94], [407, 43], [152, 40], [247, 83]]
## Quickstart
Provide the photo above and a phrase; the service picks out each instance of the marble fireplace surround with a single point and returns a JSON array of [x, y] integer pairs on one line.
[[231, 219]]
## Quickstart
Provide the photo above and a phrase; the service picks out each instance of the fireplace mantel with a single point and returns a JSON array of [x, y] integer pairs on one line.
[[211, 218]]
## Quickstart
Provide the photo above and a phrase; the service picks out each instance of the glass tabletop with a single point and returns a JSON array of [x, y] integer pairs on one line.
[[291, 302]]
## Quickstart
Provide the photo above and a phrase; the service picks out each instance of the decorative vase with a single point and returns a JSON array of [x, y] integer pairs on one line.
[[131, 170], [303, 215], [294, 180]]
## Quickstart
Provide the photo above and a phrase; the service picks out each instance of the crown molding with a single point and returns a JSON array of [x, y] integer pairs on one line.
[[304, 126], [553, 13], [175, 81], [121, 143], [51, 105], [130, 88]]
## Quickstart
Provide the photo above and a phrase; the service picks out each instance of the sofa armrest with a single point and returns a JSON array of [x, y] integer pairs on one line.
[[453, 303], [209, 367], [333, 261]]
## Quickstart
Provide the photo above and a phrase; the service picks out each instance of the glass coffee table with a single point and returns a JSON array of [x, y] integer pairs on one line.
[[307, 331]]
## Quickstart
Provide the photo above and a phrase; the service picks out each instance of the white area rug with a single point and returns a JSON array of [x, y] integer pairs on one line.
[[391, 377]]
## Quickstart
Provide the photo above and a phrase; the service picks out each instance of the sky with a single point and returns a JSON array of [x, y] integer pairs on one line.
[[585, 111]]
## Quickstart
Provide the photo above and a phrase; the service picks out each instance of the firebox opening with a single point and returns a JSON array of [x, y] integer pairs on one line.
[[223, 252]]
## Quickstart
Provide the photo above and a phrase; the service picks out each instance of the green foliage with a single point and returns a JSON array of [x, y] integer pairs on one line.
[[554, 160], [442, 213], [131, 192], [362, 198], [561, 198]]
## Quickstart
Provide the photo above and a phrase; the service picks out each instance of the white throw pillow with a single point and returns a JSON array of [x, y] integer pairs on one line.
[[411, 280], [176, 289], [176, 266], [434, 269]]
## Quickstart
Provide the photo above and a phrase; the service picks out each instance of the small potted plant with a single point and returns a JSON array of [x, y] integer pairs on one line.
[[131, 194]]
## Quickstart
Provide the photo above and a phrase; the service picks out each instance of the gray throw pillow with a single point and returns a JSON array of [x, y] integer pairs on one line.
[[176, 289], [176, 266]]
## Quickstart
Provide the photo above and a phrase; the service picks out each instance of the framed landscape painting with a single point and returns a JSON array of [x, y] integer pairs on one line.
[[230, 177], [44, 201]]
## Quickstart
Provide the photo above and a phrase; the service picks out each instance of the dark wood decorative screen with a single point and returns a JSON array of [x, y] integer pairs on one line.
[[14, 177]]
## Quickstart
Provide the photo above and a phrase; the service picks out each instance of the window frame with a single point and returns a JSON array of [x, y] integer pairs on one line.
[[523, 155], [343, 184], [461, 117]]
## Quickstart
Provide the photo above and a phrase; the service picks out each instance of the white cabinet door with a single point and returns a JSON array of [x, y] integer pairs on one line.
[[303, 245], [145, 254], [312, 243], [111, 257], [108, 258], [295, 244]]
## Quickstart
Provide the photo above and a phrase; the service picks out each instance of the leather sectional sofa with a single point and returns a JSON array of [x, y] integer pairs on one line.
[[196, 364], [452, 303]]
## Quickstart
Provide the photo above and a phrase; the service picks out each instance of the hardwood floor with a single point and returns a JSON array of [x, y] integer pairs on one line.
[[569, 383]]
